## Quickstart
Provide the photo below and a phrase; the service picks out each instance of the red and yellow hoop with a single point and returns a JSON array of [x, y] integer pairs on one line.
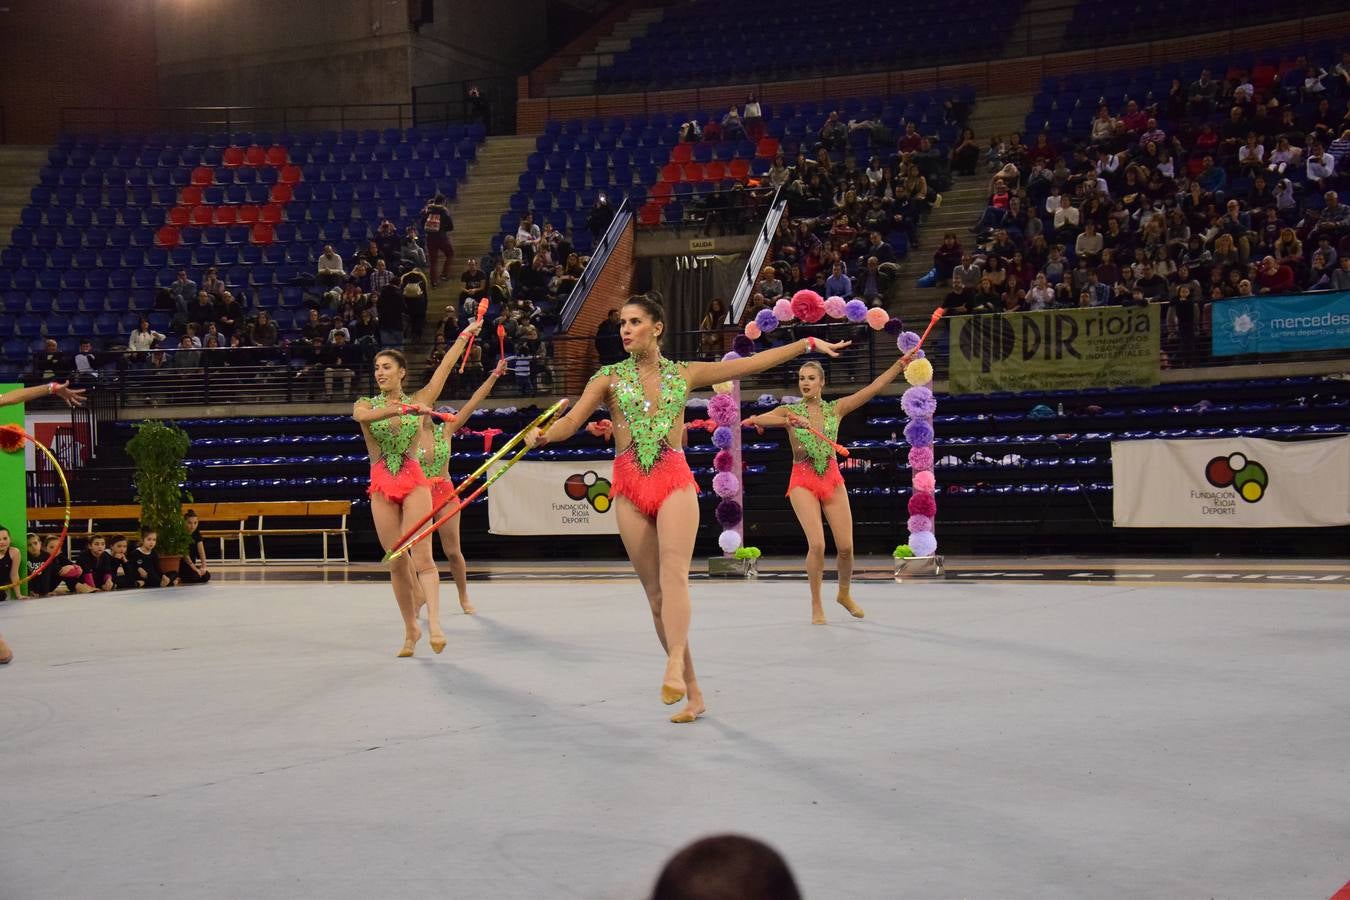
[[12, 439]]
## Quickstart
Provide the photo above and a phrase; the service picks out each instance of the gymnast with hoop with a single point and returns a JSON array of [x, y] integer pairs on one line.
[[657, 505], [73, 397], [434, 456], [816, 485], [399, 492]]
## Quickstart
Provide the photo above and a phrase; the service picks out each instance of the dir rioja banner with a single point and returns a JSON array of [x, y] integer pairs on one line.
[[1281, 324], [1105, 346], [553, 498], [1231, 483]]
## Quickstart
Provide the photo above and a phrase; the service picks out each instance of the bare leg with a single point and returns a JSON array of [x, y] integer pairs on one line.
[[388, 525], [840, 516], [449, 533], [640, 539], [415, 508], [807, 508]]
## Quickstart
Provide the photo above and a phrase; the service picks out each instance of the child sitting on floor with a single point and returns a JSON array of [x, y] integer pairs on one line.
[[145, 561], [121, 569], [96, 563]]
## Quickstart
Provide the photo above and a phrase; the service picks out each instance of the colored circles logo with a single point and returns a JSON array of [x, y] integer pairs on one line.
[[1247, 477], [590, 487]]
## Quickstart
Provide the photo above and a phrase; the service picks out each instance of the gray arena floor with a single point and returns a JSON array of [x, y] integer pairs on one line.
[[967, 740]]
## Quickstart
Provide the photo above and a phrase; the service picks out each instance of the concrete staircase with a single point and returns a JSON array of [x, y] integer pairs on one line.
[[579, 79], [1040, 28], [19, 168], [961, 207]]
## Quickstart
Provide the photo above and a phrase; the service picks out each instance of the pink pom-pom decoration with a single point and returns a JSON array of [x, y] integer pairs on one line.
[[834, 307], [855, 310], [722, 437], [782, 310], [920, 523], [925, 482], [923, 543], [724, 410], [723, 461], [922, 505], [877, 318], [808, 306], [729, 541], [920, 458], [726, 484], [752, 331]]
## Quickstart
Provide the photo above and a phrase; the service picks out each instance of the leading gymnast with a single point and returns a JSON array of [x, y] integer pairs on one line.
[[434, 457], [73, 397], [816, 484], [399, 493], [657, 510]]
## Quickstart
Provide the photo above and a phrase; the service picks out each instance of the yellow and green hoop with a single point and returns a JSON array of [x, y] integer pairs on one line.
[[12, 439]]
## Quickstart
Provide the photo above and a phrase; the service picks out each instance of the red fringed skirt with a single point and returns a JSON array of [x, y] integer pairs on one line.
[[441, 492], [395, 488], [804, 475], [648, 490]]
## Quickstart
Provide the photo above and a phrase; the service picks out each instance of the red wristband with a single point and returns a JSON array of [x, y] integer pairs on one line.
[[810, 345], [52, 386]]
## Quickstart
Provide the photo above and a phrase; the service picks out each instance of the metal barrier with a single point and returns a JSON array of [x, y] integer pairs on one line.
[[494, 104], [763, 242], [595, 265]]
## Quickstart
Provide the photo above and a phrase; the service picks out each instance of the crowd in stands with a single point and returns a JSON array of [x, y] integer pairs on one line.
[[106, 563], [1220, 187]]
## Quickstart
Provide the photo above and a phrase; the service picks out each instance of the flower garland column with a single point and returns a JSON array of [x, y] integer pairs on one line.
[[919, 405]]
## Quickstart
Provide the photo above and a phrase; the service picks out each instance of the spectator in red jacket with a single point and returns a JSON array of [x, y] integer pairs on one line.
[[1275, 278]]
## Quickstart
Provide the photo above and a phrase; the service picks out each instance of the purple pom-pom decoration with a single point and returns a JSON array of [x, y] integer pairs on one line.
[[782, 310], [907, 341], [726, 484], [894, 326], [723, 461], [920, 458], [919, 433], [729, 513], [917, 402], [743, 345], [855, 310], [923, 543], [920, 523], [925, 482], [724, 410], [730, 355], [723, 438], [834, 307], [766, 320], [729, 541], [922, 505]]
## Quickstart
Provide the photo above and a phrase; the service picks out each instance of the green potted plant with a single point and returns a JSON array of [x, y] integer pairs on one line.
[[158, 449]]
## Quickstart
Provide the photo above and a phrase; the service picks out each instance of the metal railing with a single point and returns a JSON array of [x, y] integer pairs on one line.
[[595, 265], [763, 242], [117, 120], [454, 101]]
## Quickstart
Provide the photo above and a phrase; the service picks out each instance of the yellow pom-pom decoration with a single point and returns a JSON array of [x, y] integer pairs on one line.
[[722, 387], [918, 372]]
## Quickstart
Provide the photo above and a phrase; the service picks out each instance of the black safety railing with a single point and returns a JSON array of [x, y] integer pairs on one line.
[[600, 256], [118, 120], [491, 101]]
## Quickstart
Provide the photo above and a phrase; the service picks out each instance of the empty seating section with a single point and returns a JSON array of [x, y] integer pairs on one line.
[[642, 158], [712, 43], [113, 218], [1100, 22]]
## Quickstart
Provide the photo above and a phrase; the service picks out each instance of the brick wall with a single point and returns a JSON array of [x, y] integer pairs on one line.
[[612, 288]]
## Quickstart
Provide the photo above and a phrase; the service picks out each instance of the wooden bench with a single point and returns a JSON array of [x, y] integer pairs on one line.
[[242, 528], [220, 521]]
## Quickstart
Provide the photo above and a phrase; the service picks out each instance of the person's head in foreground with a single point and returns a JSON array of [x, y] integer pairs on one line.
[[726, 867]]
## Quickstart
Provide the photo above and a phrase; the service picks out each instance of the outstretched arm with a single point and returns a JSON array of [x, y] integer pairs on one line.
[[364, 413], [428, 395], [702, 374], [28, 394], [568, 425], [462, 417], [858, 399], [774, 418]]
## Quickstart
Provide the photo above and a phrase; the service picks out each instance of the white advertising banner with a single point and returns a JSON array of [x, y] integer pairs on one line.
[[1231, 483], [553, 498]]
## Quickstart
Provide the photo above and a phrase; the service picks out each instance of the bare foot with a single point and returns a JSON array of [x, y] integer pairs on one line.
[[5, 653], [847, 603], [672, 687], [817, 614], [83, 588], [692, 710]]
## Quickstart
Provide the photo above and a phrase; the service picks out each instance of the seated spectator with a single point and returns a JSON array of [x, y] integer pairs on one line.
[[965, 156], [307, 360], [143, 338], [511, 256], [381, 276], [986, 299], [1321, 167], [365, 330], [314, 327], [733, 129], [1275, 278], [263, 331], [331, 272], [212, 284], [1041, 296], [86, 364], [229, 314], [339, 328], [411, 255], [834, 133], [50, 364], [838, 284], [1339, 280], [186, 356], [1088, 245], [959, 298], [339, 362]]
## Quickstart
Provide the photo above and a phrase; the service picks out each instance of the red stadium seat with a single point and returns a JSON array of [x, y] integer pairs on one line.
[[739, 169], [224, 215], [246, 215], [289, 175], [670, 172], [201, 215], [682, 153], [255, 156], [282, 193], [767, 148], [191, 195], [692, 172], [277, 156], [715, 171], [661, 192], [233, 157], [203, 175], [179, 215], [271, 214], [649, 214], [261, 234], [167, 236]]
